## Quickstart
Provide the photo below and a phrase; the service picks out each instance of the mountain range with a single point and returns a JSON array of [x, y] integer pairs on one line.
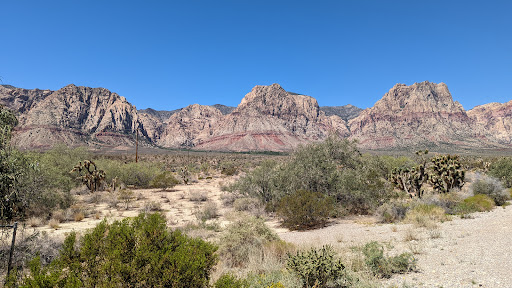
[[268, 118]]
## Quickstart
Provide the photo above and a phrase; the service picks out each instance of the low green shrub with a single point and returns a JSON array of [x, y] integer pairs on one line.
[[131, 174], [305, 210], [244, 238], [164, 181], [229, 280], [383, 266], [137, 252], [502, 169], [476, 203], [316, 268], [491, 187]]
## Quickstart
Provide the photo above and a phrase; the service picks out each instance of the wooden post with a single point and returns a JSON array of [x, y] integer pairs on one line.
[[137, 147], [11, 253]]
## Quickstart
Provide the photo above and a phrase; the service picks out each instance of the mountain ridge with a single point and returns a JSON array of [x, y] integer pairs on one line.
[[267, 118]]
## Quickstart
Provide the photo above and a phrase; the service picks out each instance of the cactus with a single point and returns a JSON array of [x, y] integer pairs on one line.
[[316, 267], [89, 174], [410, 180], [446, 173]]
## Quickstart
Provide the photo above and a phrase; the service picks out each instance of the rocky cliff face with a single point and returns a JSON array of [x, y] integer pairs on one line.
[[73, 115], [270, 118], [189, 126], [495, 119], [420, 114]]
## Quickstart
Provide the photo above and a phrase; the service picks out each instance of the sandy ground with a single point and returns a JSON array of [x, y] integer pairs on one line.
[[473, 252]]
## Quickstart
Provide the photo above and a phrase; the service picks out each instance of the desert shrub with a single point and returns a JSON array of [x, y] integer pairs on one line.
[[392, 211], [273, 279], [198, 196], [164, 181], [229, 280], [491, 187], [316, 268], [333, 168], [207, 212], [152, 206], [381, 265], [502, 169], [242, 239], [131, 174], [130, 253], [424, 215], [28, 243], [127, 196], [447, 201], [476, 203], [305, 210]]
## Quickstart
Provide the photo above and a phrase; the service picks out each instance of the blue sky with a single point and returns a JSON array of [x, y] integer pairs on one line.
[[169, 54]]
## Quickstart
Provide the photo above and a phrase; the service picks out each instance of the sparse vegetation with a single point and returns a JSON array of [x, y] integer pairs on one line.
[[491, 187], [384, 266]]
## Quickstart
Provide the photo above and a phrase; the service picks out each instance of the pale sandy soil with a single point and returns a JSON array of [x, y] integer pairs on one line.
[[458, 253]]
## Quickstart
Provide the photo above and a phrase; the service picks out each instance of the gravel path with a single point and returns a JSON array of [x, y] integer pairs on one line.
[[474, 252]]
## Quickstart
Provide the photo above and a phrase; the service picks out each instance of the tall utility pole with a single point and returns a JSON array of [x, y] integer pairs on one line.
[[137, 147]]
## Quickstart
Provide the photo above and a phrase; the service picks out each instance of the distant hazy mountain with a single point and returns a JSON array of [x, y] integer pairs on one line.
[[346, 112]]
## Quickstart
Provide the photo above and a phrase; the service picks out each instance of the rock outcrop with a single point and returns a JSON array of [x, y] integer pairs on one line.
[[495, 119], [270, 118], [189, 126], [421, 114], [72, 115]]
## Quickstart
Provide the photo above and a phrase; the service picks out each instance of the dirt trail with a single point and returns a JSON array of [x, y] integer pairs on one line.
[[473, 252]]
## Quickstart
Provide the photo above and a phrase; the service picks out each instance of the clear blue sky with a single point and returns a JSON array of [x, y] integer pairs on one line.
[[169, 54]]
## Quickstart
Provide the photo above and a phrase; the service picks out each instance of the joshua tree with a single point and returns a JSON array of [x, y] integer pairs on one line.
[[89, 174]]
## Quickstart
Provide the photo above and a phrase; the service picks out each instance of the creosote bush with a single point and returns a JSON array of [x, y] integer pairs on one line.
[[476, 203], [334, 168], [138, 252], [164, 181], [305, 210], [491, 187], [502, 169]]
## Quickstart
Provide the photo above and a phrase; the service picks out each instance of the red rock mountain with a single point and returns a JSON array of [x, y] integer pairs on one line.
[[420, 114], [72, 115], [268, 118]]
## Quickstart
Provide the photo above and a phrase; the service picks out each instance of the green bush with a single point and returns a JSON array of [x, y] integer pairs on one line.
[[383, 266], [305, 210], [138, 252], [230, 281], [492, 188], [244, 238], [316, 268], [132, 174], [164, 181], [333, 168], [502, 169], [476, 203]]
